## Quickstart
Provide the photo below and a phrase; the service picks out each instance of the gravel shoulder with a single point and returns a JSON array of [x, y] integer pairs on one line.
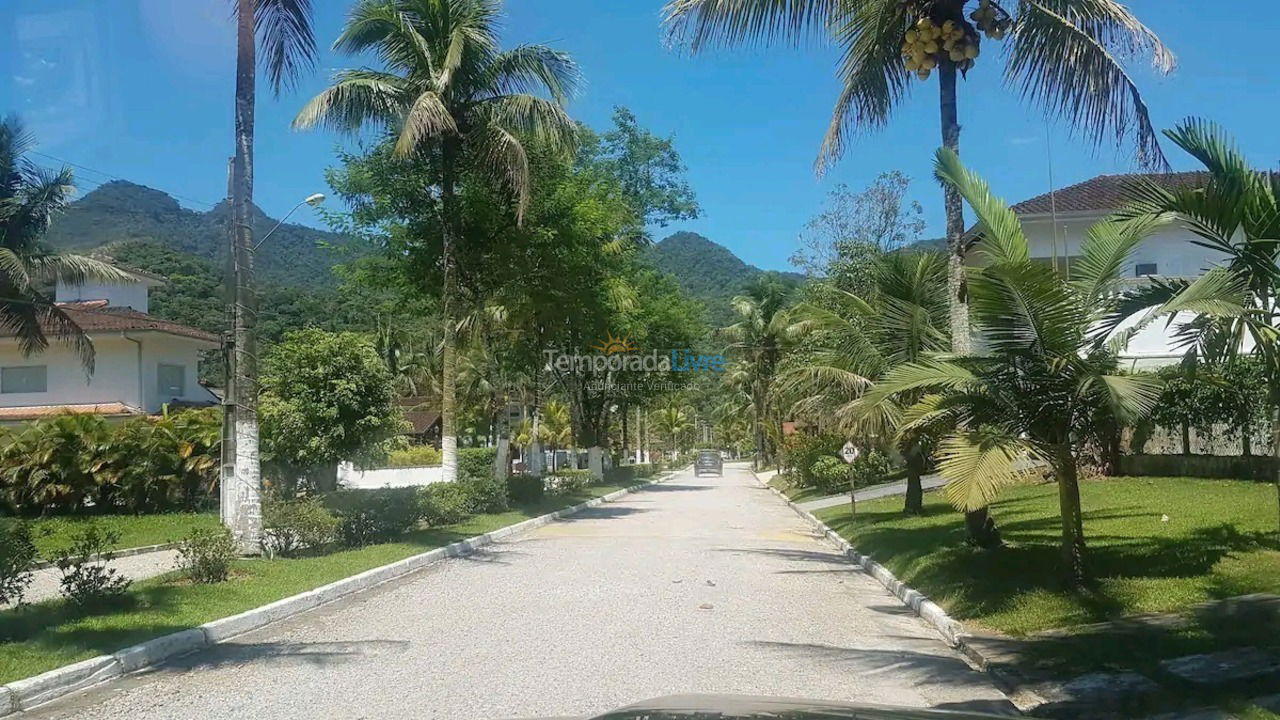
[[46, 583], [699, 585]]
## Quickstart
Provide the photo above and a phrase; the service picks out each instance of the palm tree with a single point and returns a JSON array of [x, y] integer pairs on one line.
[[1063, 55], [1048, 381], [450, 97], [555, 429], [283, 27], [903, 320], [757, 339], [30, 196], [673, 421], [1237, 213]]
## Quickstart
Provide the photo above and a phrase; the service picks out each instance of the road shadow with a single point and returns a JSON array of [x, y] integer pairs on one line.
[[910, 666], [830, 558], [673, 487], [603, 512], [299, 653]]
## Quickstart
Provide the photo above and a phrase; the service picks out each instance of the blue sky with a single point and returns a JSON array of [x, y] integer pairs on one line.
[[141, 89]]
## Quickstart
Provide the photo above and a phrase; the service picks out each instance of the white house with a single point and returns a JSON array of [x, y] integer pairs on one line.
[[1055, 224], [141, 362]]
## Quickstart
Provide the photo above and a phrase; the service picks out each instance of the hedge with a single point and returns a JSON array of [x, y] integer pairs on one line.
[[1240, 467]]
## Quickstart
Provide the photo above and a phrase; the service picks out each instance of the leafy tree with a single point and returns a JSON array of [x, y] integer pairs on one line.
[[453, 100], [1062, 55], [855, 228], [1047, 381], [1237, 213], [646, 167], [902, 319], [673, 421], [29, 197], [326, 398]]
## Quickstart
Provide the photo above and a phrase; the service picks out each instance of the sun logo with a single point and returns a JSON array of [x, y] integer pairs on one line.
[[614, 345]]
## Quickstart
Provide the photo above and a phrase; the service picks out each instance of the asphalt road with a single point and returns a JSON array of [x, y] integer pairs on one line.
[[708, 585]]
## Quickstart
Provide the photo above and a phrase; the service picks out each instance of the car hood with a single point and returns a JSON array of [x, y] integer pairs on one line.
[[735, 707]]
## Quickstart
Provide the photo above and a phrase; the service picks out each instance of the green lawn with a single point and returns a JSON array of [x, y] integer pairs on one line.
[[1220, 540], [795, 494], [49, 634], [52, 534]]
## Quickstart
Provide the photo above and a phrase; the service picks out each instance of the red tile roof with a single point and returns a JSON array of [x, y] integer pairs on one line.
[[1102, 193], [35, 412], [419, 414], [96, 316]]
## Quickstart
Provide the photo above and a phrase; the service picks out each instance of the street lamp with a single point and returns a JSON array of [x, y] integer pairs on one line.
[[312, 200]]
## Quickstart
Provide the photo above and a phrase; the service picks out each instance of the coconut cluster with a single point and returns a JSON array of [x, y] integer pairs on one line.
[[927, 44]]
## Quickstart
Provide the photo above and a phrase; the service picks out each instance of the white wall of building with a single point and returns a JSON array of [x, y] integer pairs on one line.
[[1173, 252], [131, 295], [350, 477], [117, 376]]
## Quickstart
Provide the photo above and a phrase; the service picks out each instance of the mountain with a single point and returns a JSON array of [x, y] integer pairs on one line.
[[709, 272], [120, 212]]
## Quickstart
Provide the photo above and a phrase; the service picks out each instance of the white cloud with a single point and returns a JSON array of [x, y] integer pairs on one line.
[[1023, 140], [24, 81]]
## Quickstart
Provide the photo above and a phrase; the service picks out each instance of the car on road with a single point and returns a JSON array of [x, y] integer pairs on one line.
[[708, 461]]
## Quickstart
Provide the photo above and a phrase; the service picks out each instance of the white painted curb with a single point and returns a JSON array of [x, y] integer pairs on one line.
[[950, 629], [30, 692]]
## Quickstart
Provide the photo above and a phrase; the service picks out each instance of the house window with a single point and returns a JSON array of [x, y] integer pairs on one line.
[[26, 379], [1144, 269], [173, 380]]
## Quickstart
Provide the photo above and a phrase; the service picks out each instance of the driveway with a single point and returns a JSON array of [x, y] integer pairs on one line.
[[699, 585]]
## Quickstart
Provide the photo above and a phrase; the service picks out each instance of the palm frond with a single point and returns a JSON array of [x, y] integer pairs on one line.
[[872, 78], [533, 117], [498, 152], [1108, 245], [978, 464], [1003, 240], [530, 69], [74, 269], [287, 40], [428, 119], [708, 23], [355, 98], [1062, 54]]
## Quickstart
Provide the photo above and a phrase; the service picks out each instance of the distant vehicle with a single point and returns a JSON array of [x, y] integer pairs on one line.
[[708, 461]]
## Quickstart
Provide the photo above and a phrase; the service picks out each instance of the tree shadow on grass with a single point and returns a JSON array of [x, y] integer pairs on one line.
[[930, 553]]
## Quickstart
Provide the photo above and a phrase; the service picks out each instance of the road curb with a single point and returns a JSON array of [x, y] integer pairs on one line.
[[950, 629], [116, 554], [30, 692]]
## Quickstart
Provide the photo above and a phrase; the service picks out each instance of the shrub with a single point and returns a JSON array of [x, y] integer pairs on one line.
[[17, 555], [205, 556], [484, 494], [627, 473], [525, 489], [443, 504], [476, 462], [871, 467], [830, 474], [801, 450], [416, 456], [87, 580], [373, 516], [294, 525], [566, 482]]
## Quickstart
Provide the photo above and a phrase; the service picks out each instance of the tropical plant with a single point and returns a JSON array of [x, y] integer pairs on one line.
[[1237, 304], [673, 421], [17, 558], [205, 556], [555, 428], [30, 196], [166, 462], [1047, 379], [57, 464], [87, 578], [854, 340], [283, 29], [447, 93], [1062, 55], [757, 341]]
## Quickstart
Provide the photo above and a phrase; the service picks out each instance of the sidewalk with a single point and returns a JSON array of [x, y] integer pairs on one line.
[[928, 482], [46, 582]]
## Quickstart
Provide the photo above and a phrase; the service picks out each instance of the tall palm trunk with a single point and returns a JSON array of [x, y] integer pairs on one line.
[[449, 352], [1275, 456], [982, 529], [1072, 516], [241, 503], [915, 490]]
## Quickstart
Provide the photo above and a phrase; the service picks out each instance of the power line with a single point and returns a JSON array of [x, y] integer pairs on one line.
[[116, 177]]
